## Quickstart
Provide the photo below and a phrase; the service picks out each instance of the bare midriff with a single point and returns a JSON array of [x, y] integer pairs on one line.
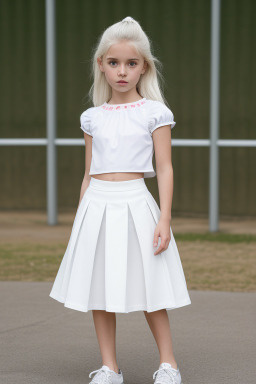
[[118, 176]]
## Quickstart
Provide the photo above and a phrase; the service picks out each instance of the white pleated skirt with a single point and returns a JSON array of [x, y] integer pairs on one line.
[[109, 263]]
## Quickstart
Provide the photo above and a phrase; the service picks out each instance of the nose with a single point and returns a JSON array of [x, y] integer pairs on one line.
[[122, 70]]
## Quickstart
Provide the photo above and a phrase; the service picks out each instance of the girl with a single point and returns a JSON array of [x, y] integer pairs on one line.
[[111, 263]]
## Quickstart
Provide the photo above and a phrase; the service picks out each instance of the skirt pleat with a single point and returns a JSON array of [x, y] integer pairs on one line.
[[109, 263]]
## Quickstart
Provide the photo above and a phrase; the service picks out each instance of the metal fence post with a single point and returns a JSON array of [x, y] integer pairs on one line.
[[214, 118], [51, 112]]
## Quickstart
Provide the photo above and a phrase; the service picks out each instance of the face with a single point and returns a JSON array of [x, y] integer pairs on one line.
[[122, 62]]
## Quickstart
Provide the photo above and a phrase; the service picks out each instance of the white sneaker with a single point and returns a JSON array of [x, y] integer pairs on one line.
[[166, 374], [105, 375]]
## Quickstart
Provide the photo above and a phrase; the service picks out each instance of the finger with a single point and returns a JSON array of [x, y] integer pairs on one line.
[[157, 240], [159, 250], [159, 244], [163, 245]]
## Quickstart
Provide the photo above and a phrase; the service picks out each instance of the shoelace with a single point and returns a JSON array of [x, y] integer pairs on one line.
[[164, 375], [102, 376]]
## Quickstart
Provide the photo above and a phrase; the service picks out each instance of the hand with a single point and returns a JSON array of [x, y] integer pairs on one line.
[[163, 231]]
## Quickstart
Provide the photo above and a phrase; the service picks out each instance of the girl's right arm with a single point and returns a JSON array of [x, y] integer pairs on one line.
[[88, 159]]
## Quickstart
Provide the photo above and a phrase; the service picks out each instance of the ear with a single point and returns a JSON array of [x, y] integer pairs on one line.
[[99, 61], [145, 66]]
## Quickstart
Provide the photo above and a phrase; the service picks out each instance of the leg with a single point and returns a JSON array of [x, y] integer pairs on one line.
[[105, 326], [158, 322]]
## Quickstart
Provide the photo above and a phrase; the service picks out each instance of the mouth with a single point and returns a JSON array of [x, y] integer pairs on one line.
[[122, 82]]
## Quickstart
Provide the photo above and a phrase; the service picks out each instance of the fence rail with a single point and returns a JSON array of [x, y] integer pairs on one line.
[[175, 142]]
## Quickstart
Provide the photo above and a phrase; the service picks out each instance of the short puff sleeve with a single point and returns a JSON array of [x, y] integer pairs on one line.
[[160, 115], [85, 121]]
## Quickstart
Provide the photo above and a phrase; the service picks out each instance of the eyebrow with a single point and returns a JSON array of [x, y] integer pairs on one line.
[[113, 58]]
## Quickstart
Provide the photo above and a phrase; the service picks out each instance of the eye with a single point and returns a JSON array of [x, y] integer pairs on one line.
[[134, 62], [112, 61]]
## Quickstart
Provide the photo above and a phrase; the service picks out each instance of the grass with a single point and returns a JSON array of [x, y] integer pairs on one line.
[[216, 237], [30, 262]]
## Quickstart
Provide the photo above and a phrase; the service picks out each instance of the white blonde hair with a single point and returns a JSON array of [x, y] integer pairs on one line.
[[148, 86]]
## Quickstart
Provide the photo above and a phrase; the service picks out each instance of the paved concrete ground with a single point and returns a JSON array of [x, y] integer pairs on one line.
[[42, 342]]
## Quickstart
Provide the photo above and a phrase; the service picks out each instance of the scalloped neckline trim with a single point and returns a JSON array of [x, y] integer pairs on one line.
[[116, 107]]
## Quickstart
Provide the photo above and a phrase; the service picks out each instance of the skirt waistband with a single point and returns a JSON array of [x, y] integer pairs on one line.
[[124, 185]]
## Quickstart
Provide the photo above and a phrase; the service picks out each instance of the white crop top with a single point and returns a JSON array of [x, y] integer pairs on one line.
[[122, 135]]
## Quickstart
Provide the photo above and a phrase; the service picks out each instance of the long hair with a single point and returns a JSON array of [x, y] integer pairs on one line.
[[149, 84]]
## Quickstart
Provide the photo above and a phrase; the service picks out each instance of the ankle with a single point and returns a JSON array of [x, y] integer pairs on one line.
[[112, 366], [172, 362]]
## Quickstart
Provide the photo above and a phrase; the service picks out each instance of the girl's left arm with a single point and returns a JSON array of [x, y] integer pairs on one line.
[[164, 174]]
